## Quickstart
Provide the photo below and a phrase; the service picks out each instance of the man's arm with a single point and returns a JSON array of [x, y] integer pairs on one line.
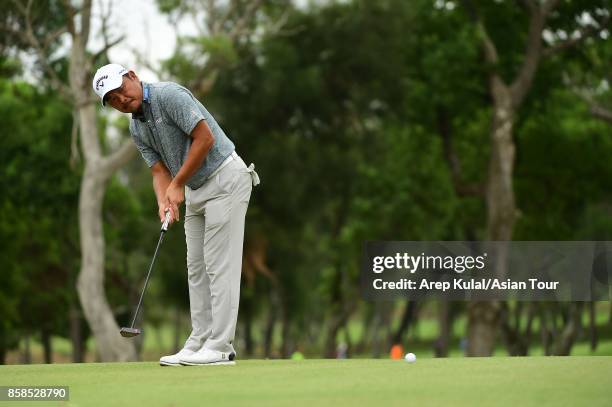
[[203, 140], [161, 180]]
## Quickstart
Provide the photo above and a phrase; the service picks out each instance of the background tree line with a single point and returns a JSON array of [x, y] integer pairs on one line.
[[387, 120]]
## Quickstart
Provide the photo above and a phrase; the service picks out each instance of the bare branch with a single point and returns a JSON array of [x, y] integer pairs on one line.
[[206, 82], [601, 113], [40, 49], [116, 160], [107, 46], [212, 23], [277, 27], [583, 33], [141, 59], [202, 31], [533, 51], [215, 23], [71, 12], [232, 7], [21, 7], [597, 110], [48, 40], [452, 158], [85, 21], [491, 55], [144, 57], [245, 18]]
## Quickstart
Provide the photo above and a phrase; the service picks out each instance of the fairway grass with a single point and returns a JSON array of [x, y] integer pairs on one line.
[[554, 381]]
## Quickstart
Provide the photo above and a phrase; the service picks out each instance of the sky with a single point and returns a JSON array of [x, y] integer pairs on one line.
[[146, 30]]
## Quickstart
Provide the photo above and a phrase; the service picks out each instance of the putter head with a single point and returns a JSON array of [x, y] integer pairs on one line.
[[129, 332]]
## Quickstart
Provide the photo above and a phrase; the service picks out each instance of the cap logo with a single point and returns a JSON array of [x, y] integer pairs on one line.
[[99, 82]]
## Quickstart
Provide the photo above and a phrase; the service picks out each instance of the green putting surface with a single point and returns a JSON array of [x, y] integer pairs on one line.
[[538, 381]]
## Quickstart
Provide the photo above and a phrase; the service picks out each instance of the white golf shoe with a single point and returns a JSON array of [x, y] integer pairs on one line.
[[207, 357], [175, 360]]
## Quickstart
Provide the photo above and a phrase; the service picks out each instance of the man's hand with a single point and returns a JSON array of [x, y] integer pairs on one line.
[[175, 195], [162, 214], [170, 191]]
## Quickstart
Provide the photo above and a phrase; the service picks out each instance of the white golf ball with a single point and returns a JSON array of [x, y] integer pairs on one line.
[[410, 357]]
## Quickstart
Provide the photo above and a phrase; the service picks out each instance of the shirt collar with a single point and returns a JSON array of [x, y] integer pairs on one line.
[[146, 98]]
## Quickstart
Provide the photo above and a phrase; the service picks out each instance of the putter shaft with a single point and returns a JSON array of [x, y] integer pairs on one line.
[[164, 228]]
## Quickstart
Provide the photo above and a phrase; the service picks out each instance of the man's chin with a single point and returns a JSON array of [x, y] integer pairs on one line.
[[131, 108]]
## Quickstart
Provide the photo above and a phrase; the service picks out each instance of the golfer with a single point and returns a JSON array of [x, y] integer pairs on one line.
[[192, 160]]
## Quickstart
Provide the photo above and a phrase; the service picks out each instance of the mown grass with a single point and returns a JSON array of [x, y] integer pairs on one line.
[[541, 381]]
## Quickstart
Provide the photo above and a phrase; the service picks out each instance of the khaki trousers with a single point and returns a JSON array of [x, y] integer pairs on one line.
[[214, 232]]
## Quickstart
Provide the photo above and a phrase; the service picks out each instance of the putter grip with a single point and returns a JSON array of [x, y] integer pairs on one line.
[[166, 222]]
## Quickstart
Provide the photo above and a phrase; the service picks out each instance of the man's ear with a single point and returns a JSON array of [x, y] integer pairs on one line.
[[131, 75]]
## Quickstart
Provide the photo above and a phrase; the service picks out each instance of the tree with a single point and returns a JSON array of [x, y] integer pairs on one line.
[[99, 167], [225, 30], [40, 250], [507, 97], [358, 160]]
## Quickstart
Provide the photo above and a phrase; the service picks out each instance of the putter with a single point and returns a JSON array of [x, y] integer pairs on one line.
[[131, 331]]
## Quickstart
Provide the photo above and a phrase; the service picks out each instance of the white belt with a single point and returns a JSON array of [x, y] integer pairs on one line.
[[235, 156], [231, 157]]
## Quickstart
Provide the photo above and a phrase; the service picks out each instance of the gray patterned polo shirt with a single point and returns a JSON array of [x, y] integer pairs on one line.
[[162, 132]]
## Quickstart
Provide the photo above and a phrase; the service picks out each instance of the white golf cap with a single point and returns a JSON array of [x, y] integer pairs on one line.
[[107, 78]]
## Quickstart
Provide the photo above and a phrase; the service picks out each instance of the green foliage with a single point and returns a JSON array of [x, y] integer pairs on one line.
[[562, 155], [345, 113], [39, 207], [220, 48]]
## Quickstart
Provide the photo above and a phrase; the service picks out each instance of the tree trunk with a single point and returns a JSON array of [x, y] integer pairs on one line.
[[269, 334], [382, 320], [287, 347], [376, 342], [367, 327], [159, 339], [27, 352], [408, 318], [446, 317], [139, 340], [177, 330], [593, 325], [338, 321], [110, 345], [248, 332], [568, 336], [3, 346], [516, 340], [484, 316], [76, 335], [349, 342], [270, 323], [98, 170], [544, 331], [45, 339]]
